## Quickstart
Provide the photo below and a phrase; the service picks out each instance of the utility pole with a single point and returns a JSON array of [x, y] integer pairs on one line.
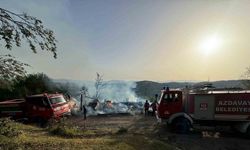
[[81, 101], [82, 106]]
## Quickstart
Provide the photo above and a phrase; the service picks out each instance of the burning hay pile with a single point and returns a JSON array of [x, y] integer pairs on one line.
[[108, 107], [116, 97]]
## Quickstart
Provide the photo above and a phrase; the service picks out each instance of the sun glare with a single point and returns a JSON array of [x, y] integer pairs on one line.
[[210, 45]]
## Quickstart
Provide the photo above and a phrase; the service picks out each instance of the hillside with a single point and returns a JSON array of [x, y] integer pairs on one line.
[[122, 90], [147, 89]]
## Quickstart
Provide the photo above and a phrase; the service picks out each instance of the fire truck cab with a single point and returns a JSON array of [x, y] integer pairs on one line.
[[38, 108], [170, 108]]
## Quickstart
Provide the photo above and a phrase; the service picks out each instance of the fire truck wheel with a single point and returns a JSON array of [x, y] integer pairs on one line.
[[248, 132], [41, 122], [181, 125], [234, 129]]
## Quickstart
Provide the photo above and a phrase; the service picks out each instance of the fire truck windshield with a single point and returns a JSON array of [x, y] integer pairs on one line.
[[170, 97], [55, 100]]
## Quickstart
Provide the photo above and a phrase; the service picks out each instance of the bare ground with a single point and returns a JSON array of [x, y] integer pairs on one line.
[[146, 127]]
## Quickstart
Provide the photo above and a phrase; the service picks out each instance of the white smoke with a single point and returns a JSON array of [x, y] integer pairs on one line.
[[116, 91], [119, 91]]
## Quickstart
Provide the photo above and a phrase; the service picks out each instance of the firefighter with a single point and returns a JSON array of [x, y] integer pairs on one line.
[[146, 107], [154, 107]]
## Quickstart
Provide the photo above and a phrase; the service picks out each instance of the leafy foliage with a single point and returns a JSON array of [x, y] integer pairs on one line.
[[34, 84], [9, 128], [15, 27], [246, 78], [11, 68], [122, 130], [63, 129]]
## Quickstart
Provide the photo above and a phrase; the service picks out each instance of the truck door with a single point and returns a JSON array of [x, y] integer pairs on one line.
[[39, 107], [204, 107]]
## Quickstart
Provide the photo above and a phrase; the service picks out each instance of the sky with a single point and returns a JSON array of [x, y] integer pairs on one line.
[[160, 40]]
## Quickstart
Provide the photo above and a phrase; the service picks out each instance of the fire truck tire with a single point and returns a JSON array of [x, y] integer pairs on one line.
[[181, 125], [234, 129], [248, 132], [41, 122]]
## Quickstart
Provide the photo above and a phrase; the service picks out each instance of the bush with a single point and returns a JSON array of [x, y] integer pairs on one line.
[[122, 130], [65, 130], [9, 128]]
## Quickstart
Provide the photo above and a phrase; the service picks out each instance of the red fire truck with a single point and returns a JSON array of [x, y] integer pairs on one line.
[[39, 108], [183, 109]]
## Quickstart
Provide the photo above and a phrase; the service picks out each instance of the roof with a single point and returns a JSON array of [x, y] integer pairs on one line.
[[45, 94], [13, 101], [215, 92], [220, 92]]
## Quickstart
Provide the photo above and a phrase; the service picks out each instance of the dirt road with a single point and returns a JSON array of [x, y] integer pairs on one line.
[[148, 128]]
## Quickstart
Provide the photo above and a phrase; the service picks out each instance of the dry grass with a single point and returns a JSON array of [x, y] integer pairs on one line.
[[144, 143], [33, 137]]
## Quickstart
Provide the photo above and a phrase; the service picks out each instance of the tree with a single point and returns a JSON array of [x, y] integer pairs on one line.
[[28, 85], [11, 68], [99, 85], [33, 84], [14, 28], [246, 78]]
